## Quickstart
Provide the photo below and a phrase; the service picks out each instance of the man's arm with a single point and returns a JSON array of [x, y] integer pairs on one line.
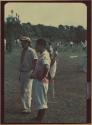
[[40, 76], [35, 58], [45, 73], [32, 58], [34, 63]]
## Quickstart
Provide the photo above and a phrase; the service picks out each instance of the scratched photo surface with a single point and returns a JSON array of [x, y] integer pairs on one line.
[[64, 28]]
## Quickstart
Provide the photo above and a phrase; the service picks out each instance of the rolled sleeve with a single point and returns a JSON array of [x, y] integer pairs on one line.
[[34, 54]]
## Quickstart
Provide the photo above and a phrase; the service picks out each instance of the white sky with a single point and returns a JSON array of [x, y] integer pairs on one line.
[[52, 14]]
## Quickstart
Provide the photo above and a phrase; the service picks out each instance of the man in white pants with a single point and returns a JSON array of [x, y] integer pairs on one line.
[[28, 61], [41, 79]]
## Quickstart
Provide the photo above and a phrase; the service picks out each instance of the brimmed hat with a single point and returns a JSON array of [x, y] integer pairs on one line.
[[26, 39]]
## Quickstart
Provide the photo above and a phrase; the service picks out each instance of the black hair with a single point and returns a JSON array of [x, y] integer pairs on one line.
[[41, 42]]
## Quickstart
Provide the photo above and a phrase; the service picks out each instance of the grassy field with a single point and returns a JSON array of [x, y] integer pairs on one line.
[[70, 90]]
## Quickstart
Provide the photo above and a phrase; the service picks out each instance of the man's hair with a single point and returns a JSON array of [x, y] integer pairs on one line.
[[41, 42]]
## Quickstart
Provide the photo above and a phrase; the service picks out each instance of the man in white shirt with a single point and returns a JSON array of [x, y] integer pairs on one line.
[[28, 62], [41, 79]]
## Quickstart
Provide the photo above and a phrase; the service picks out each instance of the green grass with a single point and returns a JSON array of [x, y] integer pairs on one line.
[[70, 89]]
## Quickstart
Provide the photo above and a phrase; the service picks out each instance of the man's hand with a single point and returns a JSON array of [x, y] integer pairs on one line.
[[40, 75], [37, 76], [45, 73]]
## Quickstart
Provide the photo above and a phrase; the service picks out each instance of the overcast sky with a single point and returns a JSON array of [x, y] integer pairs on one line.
[[52, 14]]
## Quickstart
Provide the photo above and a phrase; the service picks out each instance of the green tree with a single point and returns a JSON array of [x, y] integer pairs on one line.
[[12, 30]]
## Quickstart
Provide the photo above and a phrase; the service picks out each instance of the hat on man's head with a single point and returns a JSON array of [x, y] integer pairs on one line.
[[25, 39]]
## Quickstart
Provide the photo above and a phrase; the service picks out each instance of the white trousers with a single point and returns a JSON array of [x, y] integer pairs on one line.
[[26, 90], [41, 90]]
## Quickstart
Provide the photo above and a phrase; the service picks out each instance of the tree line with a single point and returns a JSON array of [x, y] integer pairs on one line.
[[13, 29]]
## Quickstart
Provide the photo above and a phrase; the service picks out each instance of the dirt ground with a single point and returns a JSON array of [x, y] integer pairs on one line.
[[70, 92]]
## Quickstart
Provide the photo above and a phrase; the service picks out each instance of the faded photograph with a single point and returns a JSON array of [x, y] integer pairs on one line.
[[45, 62]]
